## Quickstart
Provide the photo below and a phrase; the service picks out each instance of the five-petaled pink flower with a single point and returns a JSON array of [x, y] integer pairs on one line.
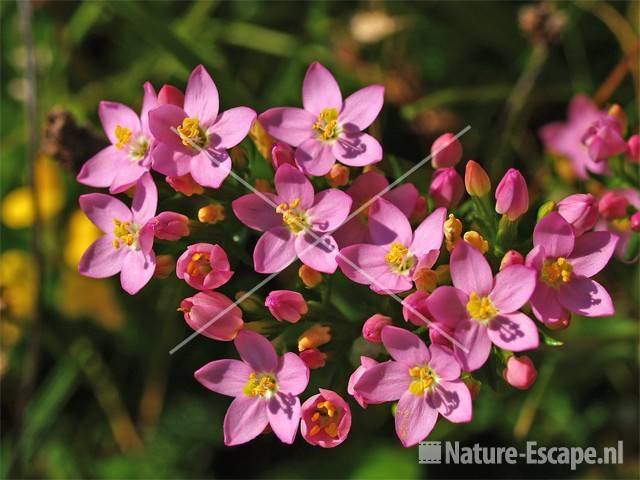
[[328, 128], [299, 225], [565, 264], [388, 264], [426, 381], [265, 387], [120, 165], [326, 419], [127, 243], [481, 310], [195, 139]]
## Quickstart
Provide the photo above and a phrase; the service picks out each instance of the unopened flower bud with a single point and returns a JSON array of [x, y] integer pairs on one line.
[[520, 372], [261, 138], [635, 222], [170, 226], [613, 205], [476, 180], [165, 264], [314, 337], [425, 279], [185, 185], [372, 328], [415, 310], [170, 95], [446, 188], [419, 210], [309, 276], [477, 241], [452, 231], [618, 113], [313, 358], [446, 151], [580, 210], [633, 148], [281, 154], [286, 305], [212, 213], [338, 176], [512, 195], [511, 258]]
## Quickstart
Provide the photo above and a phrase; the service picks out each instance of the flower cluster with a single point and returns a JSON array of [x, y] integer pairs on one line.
[[468, 278]]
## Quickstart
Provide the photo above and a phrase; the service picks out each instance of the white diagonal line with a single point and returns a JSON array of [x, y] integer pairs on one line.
[[318, 239]]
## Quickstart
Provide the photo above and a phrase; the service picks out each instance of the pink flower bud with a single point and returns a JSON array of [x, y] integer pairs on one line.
[[512, 196], [282, 153], [171, 95], [313, 358], [476, 180], [204, 266], [603, 139], [446, 187], [580, 210], [372, 328], [365, 363], [441, 334], [326, 419], [414, 308], [446, 151], [185, 185], [520, 372], [633, 148], [613, 205], [165, 264], [511, 258], [635, 222], [286, 305], [204, 307], [170, 226]]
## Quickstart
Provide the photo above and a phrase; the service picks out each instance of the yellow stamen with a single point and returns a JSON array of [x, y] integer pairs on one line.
[[123, 134], [423, 378], [399, 258], [191, 134], [452, 231], [293, 217], [556, 272], [327, 418], [263, 385], [314, 430], [200, 264], [327, 125], [481, 308], [477, 241], [125, 233]]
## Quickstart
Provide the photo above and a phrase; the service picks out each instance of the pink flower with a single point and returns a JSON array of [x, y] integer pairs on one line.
[[127, 243], [361, 191], [171, 95], [426, 381], [565, 264], [580, 210], [293, 227], [120, 165], [388, 265], [633, 148], [282, 153], [365, 363], [372, 328], [520, 372], [286, 305], [204, 266], [482, 310], [213, 315], [313, 358], [170, 226], [265, 387], [512, 196], [447, 187], [613, 204], [603, 139], [565, 138], [328, 128], [326, 419], [195, 139], [446, 151]]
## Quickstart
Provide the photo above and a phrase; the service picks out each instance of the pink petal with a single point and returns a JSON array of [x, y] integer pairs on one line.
[[210, 167], [448, 305], [444, 363], [226, 377], [361, 108], [231, 127], [101, 259], [472, 337], [592, 252], [315, 157], [292, 374], [387, 224], [201, 98], [137, 270], [357, 260], [535, 258], [127, 175], [255, 212], [100, 170], [587, 297], [291, 184], [452, 400], [163, 122], [383, 382], [274, 251], [103, 209], [170, 162], [351, 232], [256, 351], [513, 287], [545, 305], [320, 90], [390, 283], [145, 200], [415, 419], [404, 346], [514, 331], [555, 234], [113, 114], [246, 418], [404, 197], [149, 102], [329, 210], [318, 252], [283, 411], [357, 149], [470, 271], [290, 125], [368, 185], [429, 234]]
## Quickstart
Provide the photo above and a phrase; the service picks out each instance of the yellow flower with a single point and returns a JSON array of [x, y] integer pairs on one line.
[[81, 233], [18, 283]]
